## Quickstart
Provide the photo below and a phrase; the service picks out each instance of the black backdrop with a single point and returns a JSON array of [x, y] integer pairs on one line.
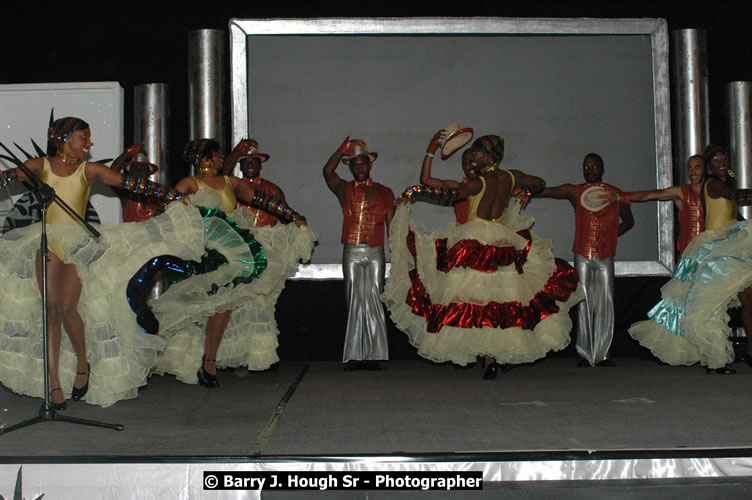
[[140, 42]]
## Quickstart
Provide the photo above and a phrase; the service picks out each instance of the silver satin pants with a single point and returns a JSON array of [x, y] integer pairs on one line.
[[364, 267], [595, 315]]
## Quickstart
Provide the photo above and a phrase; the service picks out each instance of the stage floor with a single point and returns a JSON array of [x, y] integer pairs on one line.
[[411, 408]]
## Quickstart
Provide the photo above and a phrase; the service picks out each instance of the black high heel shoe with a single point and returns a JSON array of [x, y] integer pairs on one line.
[[205, 378], [724, 370], [491, 371], [76, 393], [58, 406]]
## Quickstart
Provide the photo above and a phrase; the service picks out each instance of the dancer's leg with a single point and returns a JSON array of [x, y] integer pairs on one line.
[[215, 330]]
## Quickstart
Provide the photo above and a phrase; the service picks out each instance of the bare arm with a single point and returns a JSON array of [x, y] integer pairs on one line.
[[469, 188], [669, 194], [390, 213], [233, 156], [627, 221], [187, 185], [719, 189], [243, 190], [14, 175], [532, 183], [257, 199], [427, 180], [101, 173], [562, 192], [334, 181], [425, 171]]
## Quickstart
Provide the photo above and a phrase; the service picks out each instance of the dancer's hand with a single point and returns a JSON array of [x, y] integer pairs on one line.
[[434, 144], [301, 221], [606, 195], [346, 148], [522, 195], [244, 146], [134, 149]]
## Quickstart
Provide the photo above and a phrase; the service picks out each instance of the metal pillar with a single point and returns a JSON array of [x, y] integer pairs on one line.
[[739, 105], [150, 125], [151, 116], [689, 97], [206, 84]]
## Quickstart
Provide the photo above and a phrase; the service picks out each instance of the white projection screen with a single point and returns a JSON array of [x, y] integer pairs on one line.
[[555, 89]]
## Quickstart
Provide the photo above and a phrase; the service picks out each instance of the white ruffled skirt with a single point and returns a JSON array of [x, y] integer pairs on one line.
[[250, 338], [479, 289], [690, 323], [120, 353]]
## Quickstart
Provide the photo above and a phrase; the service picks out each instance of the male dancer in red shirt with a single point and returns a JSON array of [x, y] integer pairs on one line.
[[247, 153], [687, 200], [598, 224], [367, 209]]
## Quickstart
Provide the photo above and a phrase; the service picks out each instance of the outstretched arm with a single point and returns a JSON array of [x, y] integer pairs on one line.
[[562, 192], [138, 185], [719, 189], [425, 172], [270, 204], [334, 181], [669, 194], [13, 175], [530, 183]]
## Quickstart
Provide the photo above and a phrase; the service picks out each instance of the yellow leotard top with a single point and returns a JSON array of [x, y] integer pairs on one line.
[[74, 190], [719, 211], [227, 200], [474, 200]]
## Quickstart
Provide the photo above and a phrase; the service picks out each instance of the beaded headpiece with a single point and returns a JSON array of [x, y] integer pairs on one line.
[[60, 131], [493, 144], [197, 149]]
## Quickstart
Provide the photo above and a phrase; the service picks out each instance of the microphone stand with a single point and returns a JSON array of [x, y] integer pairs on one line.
[[47, 412]]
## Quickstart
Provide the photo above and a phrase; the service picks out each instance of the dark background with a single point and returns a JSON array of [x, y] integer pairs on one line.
[[144, 42]]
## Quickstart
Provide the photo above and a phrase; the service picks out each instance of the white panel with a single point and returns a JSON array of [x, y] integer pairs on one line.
[[25, 109]]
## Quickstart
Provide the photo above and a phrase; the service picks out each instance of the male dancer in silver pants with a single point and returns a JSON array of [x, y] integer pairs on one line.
[[366, 207], [597, 228]]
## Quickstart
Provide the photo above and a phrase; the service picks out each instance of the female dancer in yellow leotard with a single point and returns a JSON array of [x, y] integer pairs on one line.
[[490, 287], [205, 156], [70, 175]]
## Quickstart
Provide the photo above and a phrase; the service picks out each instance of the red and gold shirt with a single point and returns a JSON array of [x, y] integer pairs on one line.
[[595, 233], [260, 217], [138, 209], [691, 217], [364, 210]]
